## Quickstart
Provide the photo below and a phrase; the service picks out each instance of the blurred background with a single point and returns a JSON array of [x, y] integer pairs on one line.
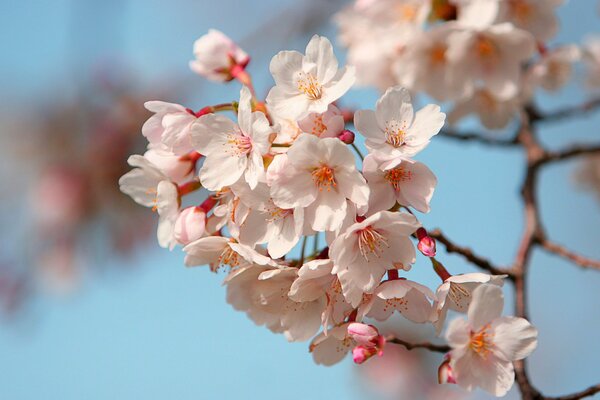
[[92, 308]]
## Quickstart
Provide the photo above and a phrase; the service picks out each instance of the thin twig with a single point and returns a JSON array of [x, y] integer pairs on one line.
[[468, 254], [573, 151], [592, 390], [439, 348], [569, 255], [476, 137], [570, 112]]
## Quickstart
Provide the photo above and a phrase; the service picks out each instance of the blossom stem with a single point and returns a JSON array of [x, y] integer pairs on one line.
[[208, 204], [216, 108], [302, 250], [244, 78], [189, 187], [439, 269], [357, 151]]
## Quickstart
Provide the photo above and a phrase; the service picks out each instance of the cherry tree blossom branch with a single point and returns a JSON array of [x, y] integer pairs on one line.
[[570, 152], [569, 255], [439, 348], [592, 390], [569, 112], [468, 254], [477, 137]]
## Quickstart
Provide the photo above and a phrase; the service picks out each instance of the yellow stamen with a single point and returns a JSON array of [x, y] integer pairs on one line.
[[397, 175], [324, 176], [481, 341], [371, 242], [310, 86]]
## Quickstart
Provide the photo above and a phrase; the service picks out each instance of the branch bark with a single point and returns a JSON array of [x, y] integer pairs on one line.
[[439, 348], [563, 252], [468, 254]]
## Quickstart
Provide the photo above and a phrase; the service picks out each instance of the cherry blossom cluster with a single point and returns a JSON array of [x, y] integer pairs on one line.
[[245, 195], [486, 57]]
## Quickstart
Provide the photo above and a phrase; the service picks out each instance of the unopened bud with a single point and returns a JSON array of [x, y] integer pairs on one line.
[[426, 243], [369, 341], [445, 373], [190, 225], [346, 136]]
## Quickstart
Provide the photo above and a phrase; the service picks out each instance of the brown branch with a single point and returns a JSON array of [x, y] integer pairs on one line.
[[573, 151], [569, 112], [439, 348], [476, 137], [592, 390], [569, 255], [468, 254]]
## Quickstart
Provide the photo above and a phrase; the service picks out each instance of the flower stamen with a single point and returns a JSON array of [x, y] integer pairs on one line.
[[310, 86], [371, 242], [324, 176]]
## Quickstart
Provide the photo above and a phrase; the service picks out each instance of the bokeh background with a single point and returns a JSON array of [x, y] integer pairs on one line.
[[97, 310]]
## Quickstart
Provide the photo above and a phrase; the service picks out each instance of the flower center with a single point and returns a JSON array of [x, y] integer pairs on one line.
[[521, 11], [228, 257], [395, 134], [324, 176], [458, 294], [371, 242], [407, 12], [437, 54], [310, 86], [276, 213], [481, 341], [239, 144], [318, 125], [396, 176], [485, 47]]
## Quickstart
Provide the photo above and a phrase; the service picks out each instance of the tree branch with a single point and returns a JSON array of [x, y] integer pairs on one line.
[[573, 151], [439, 348], [562, 251], [570, 112], [468, 254], [476, 137], [592, 390]]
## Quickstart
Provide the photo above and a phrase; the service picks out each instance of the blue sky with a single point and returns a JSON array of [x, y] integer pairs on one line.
[[159, 330]]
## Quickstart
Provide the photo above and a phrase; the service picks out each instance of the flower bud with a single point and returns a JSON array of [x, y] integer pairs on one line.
[[369, 341], [346, 136], [445, 373], [426, 243], [190, 225], [218, 58]]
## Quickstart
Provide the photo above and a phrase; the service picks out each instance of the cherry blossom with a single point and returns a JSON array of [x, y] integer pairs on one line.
[[367, 249], [410, 183], [485, 345], [319, 176], [492, 56], [393, 130], [218, 58], [409, 298], [456, 294], [232, 150], [327, 124], [369, 341], [591, 58], [493, 113], [555, 67], [190, 225], [307, 83], [170, 125]]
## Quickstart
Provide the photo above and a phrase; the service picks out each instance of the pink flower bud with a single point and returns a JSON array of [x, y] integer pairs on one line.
[[445, 373], [363, 334], [346, 136], [190, 225], [369, 341], [360, 354], [426, 243]]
